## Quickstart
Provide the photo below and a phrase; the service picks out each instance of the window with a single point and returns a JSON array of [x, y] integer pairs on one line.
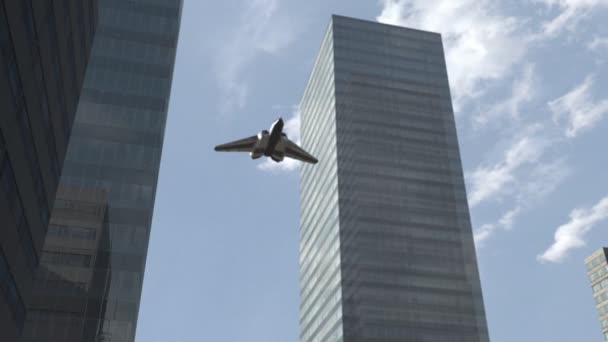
[[67, 259], [72, 232]]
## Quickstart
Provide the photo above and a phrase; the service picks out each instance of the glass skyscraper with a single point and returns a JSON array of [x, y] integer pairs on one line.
[[597, 271], [44, 51], [88, 286], [386, 246]]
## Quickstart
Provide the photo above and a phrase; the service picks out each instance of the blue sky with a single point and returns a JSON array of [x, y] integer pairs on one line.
[[529, 83]]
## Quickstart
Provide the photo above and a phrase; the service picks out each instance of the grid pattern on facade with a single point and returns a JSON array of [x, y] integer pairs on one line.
[[408, 270], [40, 83], [320, 295], [114, 150], [597, 271]]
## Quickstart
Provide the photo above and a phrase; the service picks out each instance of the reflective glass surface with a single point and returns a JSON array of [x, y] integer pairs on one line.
[[320, 294], [89, 284], [40, 82], [387, 246]]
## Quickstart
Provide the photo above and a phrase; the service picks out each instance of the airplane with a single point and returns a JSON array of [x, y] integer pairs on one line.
[[273, 144]]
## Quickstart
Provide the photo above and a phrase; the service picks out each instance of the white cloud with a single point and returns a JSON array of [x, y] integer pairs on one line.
[[508, 219], [535, 185], [571, 234], [292, 129], [543, 180], [522, 92], [480, 43], [262, 28], [571, 12], [506, 222], [598, 43], [483, 233], [582, 112], [492, 181]]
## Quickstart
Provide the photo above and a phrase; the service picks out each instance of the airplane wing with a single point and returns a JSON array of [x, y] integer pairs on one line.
[[242, 145], [292, 150]]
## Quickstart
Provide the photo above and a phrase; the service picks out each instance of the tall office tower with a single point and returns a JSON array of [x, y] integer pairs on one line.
[[44, 50], [386, 247], [597, 270], [89, 286]]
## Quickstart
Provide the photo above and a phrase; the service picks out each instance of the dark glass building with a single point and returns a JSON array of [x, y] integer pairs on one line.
[[44, 51], [597, 271], [386, 245], [89, 284], [73, 279]]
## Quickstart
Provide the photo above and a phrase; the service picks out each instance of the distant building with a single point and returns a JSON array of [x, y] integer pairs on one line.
[[386, 246], [44, 51], [597, 270], [114, 155]]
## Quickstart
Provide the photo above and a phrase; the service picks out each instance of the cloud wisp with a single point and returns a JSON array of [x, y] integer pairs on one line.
[[263, 28], [481, 44], [571, 234], [490, 182], [598, 43], [571, 13], [522, 92], [540, 181], [505, 222], [292, 129], [579, 108]]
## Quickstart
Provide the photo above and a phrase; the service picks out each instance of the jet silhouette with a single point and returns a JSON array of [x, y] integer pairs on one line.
[[273, 144]]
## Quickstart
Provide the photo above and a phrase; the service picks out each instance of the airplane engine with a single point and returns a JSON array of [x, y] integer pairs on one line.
[[277, 156], [263, 135], [260, 146], [256, 154]]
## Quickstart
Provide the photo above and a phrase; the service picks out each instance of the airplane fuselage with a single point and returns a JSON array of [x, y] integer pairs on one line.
[[274, 137], [268, 142]]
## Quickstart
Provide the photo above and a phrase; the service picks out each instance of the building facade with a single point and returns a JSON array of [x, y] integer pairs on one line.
[[72, 282], [386, 245], [597, 271], [44, 51], [90, 279]]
